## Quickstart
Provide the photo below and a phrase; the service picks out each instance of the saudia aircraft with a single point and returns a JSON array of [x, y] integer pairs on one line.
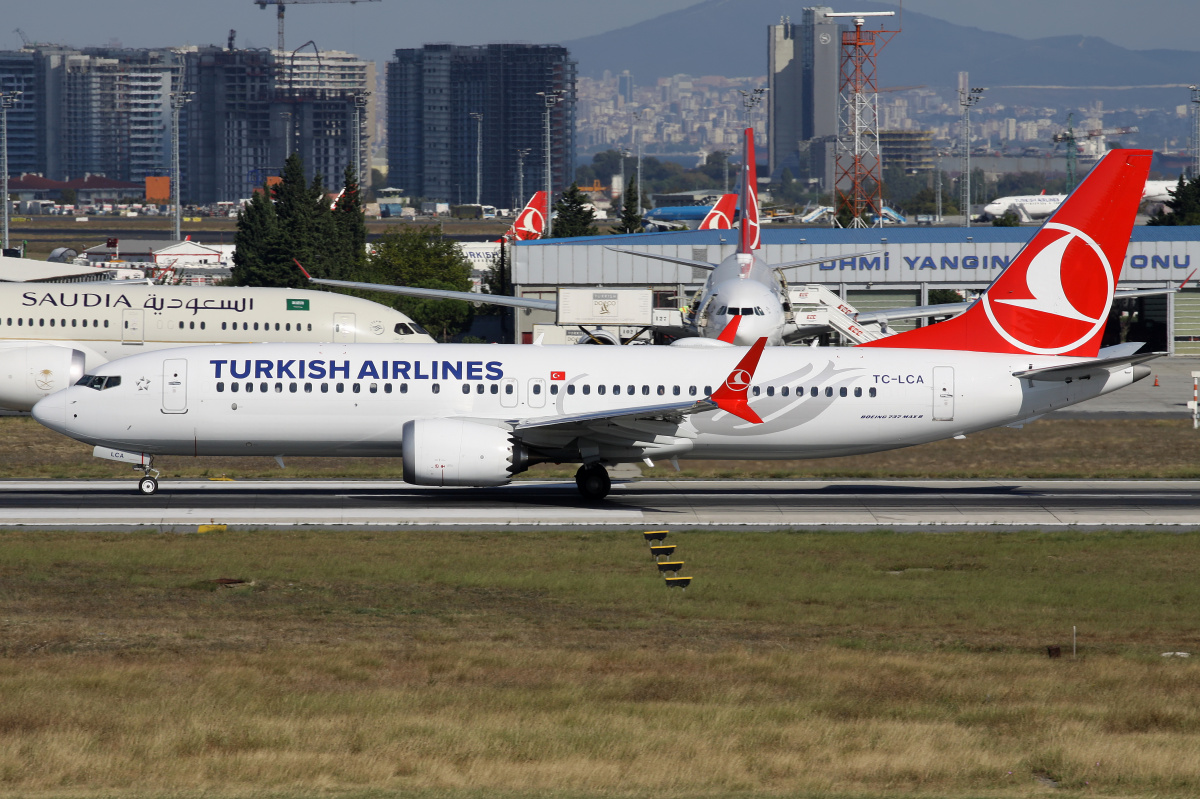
[[50, 334], [476, 415]]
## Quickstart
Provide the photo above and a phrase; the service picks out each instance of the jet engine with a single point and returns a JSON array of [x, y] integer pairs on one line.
[[599, 336], [448, 452], [29, 373]]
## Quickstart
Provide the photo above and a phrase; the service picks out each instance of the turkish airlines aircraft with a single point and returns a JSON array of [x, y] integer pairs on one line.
[[1039, 206], [719, 216], [476, 415], [51, 333], [531, 222]]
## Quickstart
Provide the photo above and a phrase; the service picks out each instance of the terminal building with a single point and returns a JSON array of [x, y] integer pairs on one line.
[[903, 266]]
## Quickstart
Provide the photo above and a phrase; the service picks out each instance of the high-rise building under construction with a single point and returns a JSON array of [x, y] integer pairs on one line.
[[436, 148]]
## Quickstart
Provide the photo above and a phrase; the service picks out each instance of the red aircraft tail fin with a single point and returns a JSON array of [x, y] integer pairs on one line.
[[750, 240], [530, 223], [1054, 298], [721, 215]]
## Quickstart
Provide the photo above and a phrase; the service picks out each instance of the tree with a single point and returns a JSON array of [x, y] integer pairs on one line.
[[631, 220], [1008, 219], [575, 216], [421, 258], [1184, 207], [348, 244], [254, 243]]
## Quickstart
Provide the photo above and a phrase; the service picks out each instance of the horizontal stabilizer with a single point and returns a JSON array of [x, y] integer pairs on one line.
[[1074, 371]]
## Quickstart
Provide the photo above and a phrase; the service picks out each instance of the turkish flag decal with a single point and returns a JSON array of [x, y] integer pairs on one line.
[[558, 375]]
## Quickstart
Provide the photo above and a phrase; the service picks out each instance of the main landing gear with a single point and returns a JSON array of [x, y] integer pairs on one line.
[[148, 485], [593, 481]]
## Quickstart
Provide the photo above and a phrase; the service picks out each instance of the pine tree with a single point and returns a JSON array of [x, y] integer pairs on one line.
[[1184, 206], [349, 244], [257, 231], [631, 220], [420, 257], [575, 216]]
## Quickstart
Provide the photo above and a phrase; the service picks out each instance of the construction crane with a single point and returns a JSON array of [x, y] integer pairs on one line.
[[1071, 139], [282, 4]]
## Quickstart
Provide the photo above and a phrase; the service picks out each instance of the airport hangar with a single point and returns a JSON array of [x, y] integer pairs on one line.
[[910, 263]]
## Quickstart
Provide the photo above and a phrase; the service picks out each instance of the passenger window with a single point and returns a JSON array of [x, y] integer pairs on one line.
[[51, 323], [842, 391], [508, 389], [495, 388], [813, 391], [223, 325], [324, 388], [675, 391], [691, 391], [871, 391], [755, 391], [201, 325], [616, 390], [770, 391], [466, 389], [662, 390], [191, 325], [708, 391], [310, 327], [74, 323], [256, 325], [105, 323], [340, 388], [829, 391], [858, 391], [479, 388], [220, 388], [279, 388], [180, 325], [437, 388], [288, 326], [553, 391], [20, 321], [308, 388], [355, 388], [263, 387], [645, 391], [537, 388], [249, 388], [571, 389], [631, 390], [374, 388], [387, 388], [276, 325], [246, 325], [586, 389], [404, 388], [783, 392], [233, 387]]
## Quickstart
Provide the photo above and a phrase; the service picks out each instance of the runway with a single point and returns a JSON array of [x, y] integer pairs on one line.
[[692, 504]]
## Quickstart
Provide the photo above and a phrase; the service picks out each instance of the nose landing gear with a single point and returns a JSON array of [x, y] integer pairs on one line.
[[148, 485], [593, 481]]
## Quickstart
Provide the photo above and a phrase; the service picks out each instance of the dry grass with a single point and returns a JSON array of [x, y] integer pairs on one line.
[[556, 664], [1063, 448]]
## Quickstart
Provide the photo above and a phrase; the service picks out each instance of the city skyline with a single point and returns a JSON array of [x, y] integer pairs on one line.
[[375, 30]]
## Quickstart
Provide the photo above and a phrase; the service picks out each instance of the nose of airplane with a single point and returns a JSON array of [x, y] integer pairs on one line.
[[51, 411]]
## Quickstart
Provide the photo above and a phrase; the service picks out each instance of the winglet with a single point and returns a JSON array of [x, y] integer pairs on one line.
[[302, 269], [731, 396], [1186, 279], [730, 330]]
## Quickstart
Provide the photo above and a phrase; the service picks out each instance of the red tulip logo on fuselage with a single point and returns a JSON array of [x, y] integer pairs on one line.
[[1068, 289]]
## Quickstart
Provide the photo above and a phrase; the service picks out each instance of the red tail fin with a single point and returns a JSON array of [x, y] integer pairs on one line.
[[530, 223], [721, 215], [731, 396], [750, 239], [1054, 298]]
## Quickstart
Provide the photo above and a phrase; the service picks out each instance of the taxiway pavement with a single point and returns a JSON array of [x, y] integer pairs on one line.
[[750, 504]]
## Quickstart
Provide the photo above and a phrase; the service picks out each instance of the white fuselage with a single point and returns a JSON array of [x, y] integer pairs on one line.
[[50, 333], [282, 399], [1035, 206], [742, 285]]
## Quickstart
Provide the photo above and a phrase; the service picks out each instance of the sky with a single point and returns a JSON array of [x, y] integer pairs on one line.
[[373, 29]]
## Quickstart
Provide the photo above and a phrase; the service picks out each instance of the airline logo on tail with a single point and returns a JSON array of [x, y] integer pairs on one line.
[[1055, 297], [750, 240], [721, 215], [1079, 297], [531, 221]]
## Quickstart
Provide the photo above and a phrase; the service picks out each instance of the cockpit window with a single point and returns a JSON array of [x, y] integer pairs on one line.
[[99, 382], [758, 311], [403, 329], [418, 328], [721, 311]]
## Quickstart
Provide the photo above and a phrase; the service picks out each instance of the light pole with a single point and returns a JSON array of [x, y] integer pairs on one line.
[[178, 100], [360, 102], [7, 100], [967, 98], [624, 154], [1194, 143], [638, 116], [286, 116], [521, 153], [478, 117], [727, 154], [551, 98]]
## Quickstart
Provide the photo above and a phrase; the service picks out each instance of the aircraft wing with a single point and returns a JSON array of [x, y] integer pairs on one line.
[[668, 258], [444, 294], [671, 411]]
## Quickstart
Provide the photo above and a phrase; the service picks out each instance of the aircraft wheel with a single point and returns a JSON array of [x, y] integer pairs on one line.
[[593, 481], [147, 486]]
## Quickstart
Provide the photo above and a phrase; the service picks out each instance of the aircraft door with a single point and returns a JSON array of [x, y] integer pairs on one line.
[[537, 393], [508, 392], [131, 326], [943, 393], [174, 398], [343, 328]]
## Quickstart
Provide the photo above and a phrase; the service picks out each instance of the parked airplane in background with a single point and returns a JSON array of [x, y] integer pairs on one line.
[[476, 415], [718, 216], [531, 222], [51, 333], [1039, 206]]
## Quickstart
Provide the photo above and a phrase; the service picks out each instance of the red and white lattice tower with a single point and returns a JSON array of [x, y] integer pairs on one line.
[[859, 164]]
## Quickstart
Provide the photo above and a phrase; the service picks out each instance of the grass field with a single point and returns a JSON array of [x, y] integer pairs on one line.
[[1066, 448], [557, 664]]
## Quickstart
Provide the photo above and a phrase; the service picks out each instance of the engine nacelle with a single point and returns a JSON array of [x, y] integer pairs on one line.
[[600, 337], [30, 372], [448, 452]]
